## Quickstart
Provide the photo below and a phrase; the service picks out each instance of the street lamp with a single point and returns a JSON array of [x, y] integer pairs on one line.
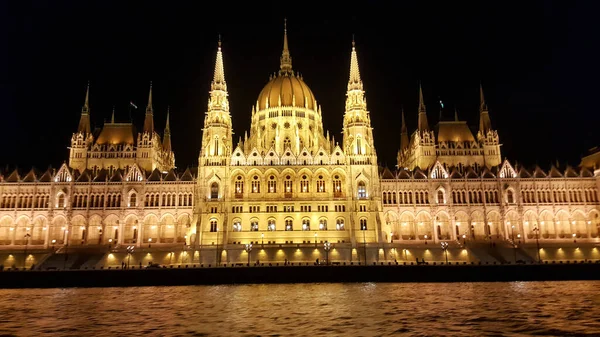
[[574, 238], [315, 240], [536, 230], [262, 240], [130, 250], [327, 247], [445, 248], [149, 242], [217, 262], [27, 236], [425, 238], [364, 230], [53, 242], [248, 249]]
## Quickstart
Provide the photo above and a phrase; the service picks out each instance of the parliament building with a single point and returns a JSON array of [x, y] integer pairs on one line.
[[289, 187]]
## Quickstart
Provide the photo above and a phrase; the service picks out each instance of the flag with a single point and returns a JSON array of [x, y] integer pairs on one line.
[[133, 105]]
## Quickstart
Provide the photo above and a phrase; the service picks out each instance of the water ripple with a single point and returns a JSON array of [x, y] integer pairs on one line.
[[368, 309]]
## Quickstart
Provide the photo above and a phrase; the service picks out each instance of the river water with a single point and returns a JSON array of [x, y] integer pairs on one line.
[[360, 309]]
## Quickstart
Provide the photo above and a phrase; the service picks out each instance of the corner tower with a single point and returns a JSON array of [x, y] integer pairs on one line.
[[83, 139], [488, 137]]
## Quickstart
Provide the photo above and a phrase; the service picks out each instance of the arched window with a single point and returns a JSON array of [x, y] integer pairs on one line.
[[440, 197], [510, 197], [304, 184], [288, 185], [272, 184], [362, 190], [133, 200], [237, 226], [358, 145], [363, 224], [254, 225], [61, 200], [320, 184], [337, 186], [288, 225], [239, 186], [323, 224], [216, 153], [214, 190], [339, 224], [305, 225], [271, 225], [255, 185], [213, 226], [287, 143]]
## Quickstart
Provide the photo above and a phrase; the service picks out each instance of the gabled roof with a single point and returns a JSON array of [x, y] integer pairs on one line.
[[155, 176], [404, 174], [455, 174], [554, 172], [117, 176], [170, 176], [387, 174], [418, 174], [187, 175], [487, 173], [470, 173], [30, 177], [101, 175], [13, 177], [586, 173], [524, 173], [570, 172], [47, 176], [539, 173], [85, 176]]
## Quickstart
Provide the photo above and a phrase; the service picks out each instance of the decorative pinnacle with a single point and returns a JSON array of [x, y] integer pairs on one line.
[[219, 42], [354, 83], [286, 60]]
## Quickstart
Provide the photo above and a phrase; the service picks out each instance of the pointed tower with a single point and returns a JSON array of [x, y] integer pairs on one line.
[[84, 120], [285, 67], [149, 120], [362, 159], [167, 136], [422, 152], [82, 140], [358, 136], [423, 125], [403, 134], [217, 133], [488, 137], [167, 155]]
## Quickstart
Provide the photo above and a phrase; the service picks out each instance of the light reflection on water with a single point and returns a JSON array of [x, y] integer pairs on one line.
[[361, 309]]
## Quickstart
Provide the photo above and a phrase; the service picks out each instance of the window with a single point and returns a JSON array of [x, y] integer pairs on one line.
[[363, 224], [61, 201], [133, 200], [288, 225], [287, 143], [323, 224], [362, 190], [288, 184], [237, 226], [337, 186], [288, 208], [339, 224], [254, 226], [214, 190], [213, 225], [304, 184], [510, 198], [440, 197], [358, 146], [271, 225], [239, 186], [321, 185], [305, 225], [255, 185], [272, 184]]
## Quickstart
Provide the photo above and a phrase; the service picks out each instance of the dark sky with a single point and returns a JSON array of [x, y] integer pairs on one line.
[[537, 60]]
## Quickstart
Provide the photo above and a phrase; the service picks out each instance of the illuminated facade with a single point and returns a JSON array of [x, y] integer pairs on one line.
[[287, 183]]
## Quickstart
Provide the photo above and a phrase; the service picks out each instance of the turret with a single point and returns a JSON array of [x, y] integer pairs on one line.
[[487, 136], [82, 139]]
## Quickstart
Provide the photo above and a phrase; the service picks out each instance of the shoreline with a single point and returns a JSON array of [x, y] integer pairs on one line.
[[297, 274]]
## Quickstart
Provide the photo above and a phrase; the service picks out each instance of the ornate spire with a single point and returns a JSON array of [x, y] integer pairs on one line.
[[84, 120], [149, 120], [403, 134], [112, 118], [167, 135], [422, 124], [285, 67], [218, 82], [354, 83], [218, 88], [455, 114], [485, 124]]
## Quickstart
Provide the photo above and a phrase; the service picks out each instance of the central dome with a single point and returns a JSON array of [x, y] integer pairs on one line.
[[292, 91]]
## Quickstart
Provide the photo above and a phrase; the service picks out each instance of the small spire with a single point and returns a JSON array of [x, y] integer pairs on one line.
[[286, 60], [219, 42], [84, 120], [455, 114], [423, 124], [485, 123], [149, 120], [219, 76], [354, 82], [403, 133], [112, 119], [167, 135]]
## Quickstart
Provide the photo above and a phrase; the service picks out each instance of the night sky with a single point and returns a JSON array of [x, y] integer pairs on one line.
[[538, 62]]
